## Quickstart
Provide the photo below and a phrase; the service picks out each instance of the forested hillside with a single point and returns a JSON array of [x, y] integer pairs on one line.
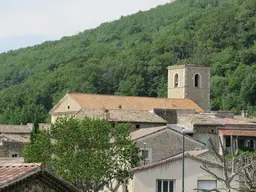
[[129, 57]]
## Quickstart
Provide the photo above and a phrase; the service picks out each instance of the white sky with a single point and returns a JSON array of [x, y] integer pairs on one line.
[[29, 22]]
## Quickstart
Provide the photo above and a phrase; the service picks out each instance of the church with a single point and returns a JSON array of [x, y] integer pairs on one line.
[[188, 92]]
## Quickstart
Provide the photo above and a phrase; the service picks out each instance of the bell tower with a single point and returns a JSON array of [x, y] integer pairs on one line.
[[190, 82]]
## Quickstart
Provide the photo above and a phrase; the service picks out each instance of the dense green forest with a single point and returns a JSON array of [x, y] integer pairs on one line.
[[129, 57]]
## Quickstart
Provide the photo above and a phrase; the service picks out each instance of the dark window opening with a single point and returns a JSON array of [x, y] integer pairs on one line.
[[228, 143], [164, 186], [68, 107], [197, 80], [137, 126], [176, 80], [14, 155]]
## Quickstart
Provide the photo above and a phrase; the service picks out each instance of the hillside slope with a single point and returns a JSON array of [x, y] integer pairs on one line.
[[129, 57]]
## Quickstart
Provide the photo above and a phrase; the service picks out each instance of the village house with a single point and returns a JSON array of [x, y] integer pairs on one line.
[[31, 177], [166, 175], [12, 139], [159, 143], [203, 126]]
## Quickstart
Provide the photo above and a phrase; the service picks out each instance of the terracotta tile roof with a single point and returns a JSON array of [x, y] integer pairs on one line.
[[238, 132], [119, 115], [89, 101], [14, 128], [16, 137], [10, 174], [146, 131], [195, 155], [14, 172]]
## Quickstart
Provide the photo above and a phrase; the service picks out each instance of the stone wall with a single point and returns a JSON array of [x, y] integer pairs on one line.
[[170, 115], [167, 143], [31, 185]]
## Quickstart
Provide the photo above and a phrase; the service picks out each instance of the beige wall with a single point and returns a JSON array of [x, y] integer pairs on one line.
[[67, 104], [176, 92], [186, 90], [146, 180]]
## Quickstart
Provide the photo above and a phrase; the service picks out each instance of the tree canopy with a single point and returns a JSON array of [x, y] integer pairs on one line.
[[89, 153], [129, 56]]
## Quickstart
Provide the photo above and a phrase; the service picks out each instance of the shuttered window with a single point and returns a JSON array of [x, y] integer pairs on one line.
[[206, 184]]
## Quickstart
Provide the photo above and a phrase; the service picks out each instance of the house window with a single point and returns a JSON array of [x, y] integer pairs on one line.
[[206, 185], [14, 155], [145, 155], [68, 107], [197, 80], [137, 126], [176, 80], [164, 186]]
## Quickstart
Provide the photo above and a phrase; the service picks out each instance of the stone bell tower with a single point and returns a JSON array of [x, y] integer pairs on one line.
[[190, 82]]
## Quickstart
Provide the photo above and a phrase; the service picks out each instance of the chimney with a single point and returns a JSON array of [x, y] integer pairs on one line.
[[106, 114]]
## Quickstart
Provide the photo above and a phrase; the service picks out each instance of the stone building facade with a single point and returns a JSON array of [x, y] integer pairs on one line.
[[190, 82], [163, 142]]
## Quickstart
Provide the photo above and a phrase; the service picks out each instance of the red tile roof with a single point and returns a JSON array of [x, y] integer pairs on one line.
[[11, 174], [14, 172], [90, 101], [237, 132]]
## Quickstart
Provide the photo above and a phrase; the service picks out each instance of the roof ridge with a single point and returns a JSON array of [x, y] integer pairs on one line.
[[126, 96]]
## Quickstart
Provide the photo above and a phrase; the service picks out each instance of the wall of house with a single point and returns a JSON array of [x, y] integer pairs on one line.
[[170, 115], [146, 180], [66, 105], [9, 148], [166, 143], [202, 133]]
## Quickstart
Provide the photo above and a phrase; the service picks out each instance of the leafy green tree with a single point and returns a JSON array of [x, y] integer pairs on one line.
[[90, 153], [40, 148]]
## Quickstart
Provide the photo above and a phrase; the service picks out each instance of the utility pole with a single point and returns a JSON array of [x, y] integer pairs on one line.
[[144, 154], [183, 162]]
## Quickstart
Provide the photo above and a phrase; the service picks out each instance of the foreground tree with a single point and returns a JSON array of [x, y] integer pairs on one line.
[[90, 153]]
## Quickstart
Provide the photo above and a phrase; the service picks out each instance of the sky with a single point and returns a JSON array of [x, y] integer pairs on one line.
[[29, 22]]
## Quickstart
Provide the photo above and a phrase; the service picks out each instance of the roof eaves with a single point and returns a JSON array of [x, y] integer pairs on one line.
[[172, 159], [31, 172], [146, 135]]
